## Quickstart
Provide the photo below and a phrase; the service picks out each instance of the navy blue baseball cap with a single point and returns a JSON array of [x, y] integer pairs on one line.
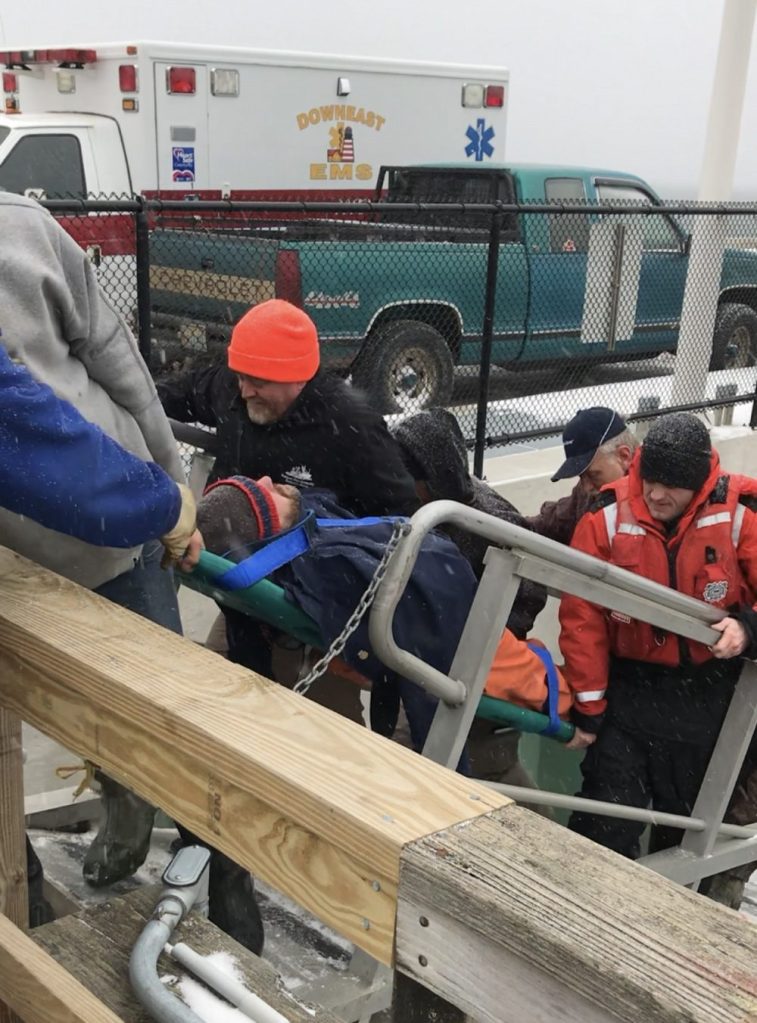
[[584, 435]]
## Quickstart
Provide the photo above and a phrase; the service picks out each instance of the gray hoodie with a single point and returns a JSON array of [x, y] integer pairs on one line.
[[56, 320]]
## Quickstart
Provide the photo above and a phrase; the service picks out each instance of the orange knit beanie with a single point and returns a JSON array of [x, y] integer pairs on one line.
[[275, 341]]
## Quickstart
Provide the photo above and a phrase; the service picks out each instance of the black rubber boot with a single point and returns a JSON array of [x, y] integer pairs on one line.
[[40, 910], [232, 903], [122, 842]]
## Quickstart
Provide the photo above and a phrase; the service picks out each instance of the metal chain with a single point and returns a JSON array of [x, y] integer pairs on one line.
[[401, 528]]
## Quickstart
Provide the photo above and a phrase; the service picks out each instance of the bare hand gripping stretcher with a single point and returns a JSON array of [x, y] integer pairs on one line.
[[244, 588]]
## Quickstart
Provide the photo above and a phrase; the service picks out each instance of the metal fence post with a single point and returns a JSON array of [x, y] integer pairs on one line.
[[723, 416], [648, 403], [492, 262], [142, 251]]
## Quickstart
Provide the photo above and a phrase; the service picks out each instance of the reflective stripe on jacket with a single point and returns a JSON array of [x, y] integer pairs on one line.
[[710, 554]]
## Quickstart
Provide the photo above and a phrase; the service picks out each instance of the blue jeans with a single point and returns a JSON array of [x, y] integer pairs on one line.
[[147, 589]]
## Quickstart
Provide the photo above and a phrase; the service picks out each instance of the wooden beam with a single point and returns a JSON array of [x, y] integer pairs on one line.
[[316, 805], [40, 990], [14, 900], [13, 893], [515, 922]]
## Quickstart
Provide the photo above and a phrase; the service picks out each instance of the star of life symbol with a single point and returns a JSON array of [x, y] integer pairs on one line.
[[480, 144]]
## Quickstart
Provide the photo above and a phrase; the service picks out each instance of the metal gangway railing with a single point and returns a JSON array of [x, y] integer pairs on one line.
[[708, 845]]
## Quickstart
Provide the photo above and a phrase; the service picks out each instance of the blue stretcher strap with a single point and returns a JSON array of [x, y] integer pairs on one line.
[[266, 559], [369, 520], [553, 688], [282, 549]]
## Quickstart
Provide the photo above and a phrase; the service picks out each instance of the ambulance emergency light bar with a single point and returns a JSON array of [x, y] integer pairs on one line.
[[67, 57]]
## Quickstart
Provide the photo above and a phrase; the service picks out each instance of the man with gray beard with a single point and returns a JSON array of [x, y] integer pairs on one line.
[[277, 414]]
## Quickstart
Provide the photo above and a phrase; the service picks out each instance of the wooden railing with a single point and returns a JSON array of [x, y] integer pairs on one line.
[[481, 906]]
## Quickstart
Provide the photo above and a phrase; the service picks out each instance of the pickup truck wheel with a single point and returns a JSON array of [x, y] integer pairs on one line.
[[405, 367], [734, 343]]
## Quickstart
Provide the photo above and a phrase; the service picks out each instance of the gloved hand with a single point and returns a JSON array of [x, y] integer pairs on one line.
[[177, 540]]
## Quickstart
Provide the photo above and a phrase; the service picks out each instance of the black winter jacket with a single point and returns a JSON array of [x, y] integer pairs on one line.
[[330, 438]]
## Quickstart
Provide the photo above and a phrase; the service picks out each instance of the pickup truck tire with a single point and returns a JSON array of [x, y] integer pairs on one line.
[[405, 366], [734, 344]]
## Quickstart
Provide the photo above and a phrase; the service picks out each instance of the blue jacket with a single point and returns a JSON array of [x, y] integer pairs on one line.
[[327, 582], [65, 473]]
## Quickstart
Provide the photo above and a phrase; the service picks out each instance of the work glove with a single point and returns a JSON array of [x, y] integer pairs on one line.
[[176, 540]]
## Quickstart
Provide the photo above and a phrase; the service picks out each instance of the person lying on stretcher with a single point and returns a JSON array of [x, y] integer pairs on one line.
[[237, 515]]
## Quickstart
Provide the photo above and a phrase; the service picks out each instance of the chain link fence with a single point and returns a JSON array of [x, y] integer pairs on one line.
[[514, 316]]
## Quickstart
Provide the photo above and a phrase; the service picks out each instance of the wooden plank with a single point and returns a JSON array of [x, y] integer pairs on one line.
[[514, 926], [95, 946], [316, 805], [58, 808], [40, 990], [13, 891], [61, 901], [13, 894]]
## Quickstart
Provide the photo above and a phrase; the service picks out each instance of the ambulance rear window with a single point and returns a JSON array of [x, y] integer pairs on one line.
[[49, 162]]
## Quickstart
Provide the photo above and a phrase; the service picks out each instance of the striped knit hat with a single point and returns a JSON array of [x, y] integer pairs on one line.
[[234, 513]]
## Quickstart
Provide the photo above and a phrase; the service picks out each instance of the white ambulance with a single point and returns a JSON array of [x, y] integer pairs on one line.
[[163, 119]]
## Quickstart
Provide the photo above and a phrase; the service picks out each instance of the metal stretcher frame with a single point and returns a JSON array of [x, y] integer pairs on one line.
[[708, 846]]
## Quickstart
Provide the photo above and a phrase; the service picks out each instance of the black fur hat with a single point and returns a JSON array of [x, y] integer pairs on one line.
[[676, 452]]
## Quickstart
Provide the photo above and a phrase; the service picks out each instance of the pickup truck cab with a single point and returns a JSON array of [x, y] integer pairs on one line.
[[399, 300]]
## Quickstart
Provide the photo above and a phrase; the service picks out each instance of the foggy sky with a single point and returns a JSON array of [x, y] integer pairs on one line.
[[623, 86]]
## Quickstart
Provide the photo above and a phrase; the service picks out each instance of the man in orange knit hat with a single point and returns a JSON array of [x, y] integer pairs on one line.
[[276, 413]]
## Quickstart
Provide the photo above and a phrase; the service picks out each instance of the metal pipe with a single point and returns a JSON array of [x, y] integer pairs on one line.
[[144, 301], [485, 363], [632, 813], [204, 440], [79, 206], [228, 987], [143, 966], [186, 877]]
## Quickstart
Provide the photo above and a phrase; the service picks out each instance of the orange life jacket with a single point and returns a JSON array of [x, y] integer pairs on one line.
[[699, 560]]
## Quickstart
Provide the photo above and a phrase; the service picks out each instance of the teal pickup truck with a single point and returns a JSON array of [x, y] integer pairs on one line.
[[399, 297]]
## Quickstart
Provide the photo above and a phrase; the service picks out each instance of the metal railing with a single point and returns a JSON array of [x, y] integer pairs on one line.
[[708, 846]]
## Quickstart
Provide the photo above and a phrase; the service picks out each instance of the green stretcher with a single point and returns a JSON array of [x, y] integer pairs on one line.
[[267, 602]]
